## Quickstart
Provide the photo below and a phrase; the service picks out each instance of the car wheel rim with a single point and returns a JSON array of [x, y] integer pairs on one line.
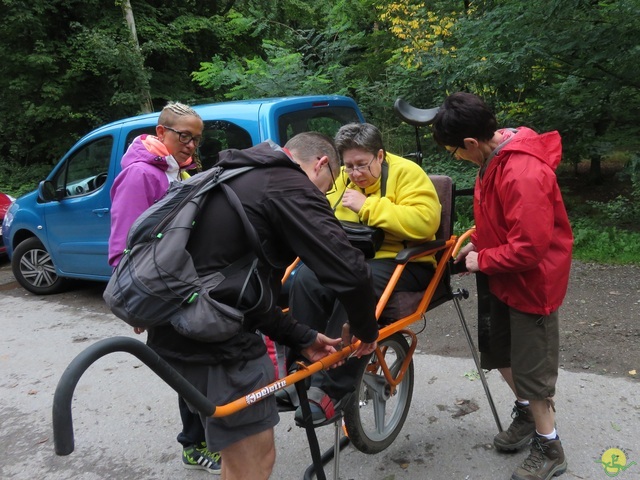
[[37, 268]]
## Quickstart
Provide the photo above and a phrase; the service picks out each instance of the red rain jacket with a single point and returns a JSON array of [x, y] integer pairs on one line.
[[523, 236]]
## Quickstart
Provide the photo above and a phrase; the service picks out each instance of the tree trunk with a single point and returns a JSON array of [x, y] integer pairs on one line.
[[146, 106], [595, 170]]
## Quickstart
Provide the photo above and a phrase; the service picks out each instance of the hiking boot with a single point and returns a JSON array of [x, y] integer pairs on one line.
[[519, 432], [201, 458], [545, 460]]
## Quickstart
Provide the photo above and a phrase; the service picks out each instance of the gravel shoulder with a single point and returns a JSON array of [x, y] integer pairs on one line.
[[599, 321]]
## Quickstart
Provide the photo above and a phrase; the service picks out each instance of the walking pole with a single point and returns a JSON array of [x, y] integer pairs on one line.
[[456, 301]]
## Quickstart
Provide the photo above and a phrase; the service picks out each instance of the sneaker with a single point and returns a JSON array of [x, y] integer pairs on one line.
[[545, 460], [201, 458], [519, 432]]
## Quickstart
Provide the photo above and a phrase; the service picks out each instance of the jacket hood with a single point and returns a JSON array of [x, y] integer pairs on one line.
[[546, 147], [144, 150], [261, 155]]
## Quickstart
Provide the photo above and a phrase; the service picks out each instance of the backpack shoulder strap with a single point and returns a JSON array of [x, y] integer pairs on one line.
[[252, 234], [250, 230], [220, 175]]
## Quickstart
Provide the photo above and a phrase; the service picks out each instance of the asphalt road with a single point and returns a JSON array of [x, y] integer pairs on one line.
[[126, 420]]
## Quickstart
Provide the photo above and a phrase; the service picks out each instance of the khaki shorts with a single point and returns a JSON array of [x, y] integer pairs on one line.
[[224, 384], [529, 344]]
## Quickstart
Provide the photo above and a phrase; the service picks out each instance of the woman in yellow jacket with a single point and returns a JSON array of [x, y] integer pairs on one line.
[[382, 190]]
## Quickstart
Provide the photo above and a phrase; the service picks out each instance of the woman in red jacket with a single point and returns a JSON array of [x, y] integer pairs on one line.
[[523, 244]]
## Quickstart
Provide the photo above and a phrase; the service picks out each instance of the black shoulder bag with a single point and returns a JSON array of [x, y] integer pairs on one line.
[[364, 237]]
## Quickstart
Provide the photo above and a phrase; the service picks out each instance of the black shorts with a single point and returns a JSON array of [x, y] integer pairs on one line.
[[529, 344]]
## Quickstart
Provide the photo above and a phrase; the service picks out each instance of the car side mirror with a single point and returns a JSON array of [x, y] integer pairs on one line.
[[47, 191]]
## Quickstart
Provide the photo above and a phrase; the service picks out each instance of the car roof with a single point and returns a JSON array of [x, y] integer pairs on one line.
[[235, 110]]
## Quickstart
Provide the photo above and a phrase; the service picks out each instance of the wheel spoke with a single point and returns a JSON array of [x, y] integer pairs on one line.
[[48, 276], [376, 387], [27, 264], [379, 412]]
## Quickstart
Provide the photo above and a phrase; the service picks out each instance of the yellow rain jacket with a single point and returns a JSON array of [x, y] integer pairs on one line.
[[409, 213]]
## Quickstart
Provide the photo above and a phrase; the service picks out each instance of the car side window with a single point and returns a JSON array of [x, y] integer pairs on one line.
[[323, 120], [218, 135], [151, 130], [86, 169], [221, 135]]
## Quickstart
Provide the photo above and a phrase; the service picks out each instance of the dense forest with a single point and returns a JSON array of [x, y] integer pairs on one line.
[[568, 65]]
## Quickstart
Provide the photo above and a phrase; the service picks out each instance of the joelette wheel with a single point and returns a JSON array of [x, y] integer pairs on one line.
[[377, 415]]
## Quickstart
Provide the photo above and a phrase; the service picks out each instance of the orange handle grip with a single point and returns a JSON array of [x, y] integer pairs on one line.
[[461, 240]]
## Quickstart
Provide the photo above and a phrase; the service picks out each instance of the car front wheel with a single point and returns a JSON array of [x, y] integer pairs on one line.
[[34, 269]]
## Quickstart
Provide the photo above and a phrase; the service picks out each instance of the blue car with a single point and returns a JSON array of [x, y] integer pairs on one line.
[[61, 230]]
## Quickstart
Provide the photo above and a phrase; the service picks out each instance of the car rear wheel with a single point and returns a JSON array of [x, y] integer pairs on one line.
[[34, 269]]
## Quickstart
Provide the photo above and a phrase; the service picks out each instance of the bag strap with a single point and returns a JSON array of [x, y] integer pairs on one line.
[[221, 175], [249, 258], [250, 230], [203, 182], [384, 175]]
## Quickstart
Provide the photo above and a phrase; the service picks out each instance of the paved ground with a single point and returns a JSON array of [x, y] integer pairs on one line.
[[125, 418]]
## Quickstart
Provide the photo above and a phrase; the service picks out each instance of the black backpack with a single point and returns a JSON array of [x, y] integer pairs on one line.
[[156, 282]]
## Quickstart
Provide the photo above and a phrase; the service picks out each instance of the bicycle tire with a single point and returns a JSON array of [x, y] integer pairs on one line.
[[375, 417]]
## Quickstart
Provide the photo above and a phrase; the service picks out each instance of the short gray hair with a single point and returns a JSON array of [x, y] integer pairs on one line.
[[310, 146], [361, 136]]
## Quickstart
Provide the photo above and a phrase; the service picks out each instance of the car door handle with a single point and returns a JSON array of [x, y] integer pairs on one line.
[[100, 211]]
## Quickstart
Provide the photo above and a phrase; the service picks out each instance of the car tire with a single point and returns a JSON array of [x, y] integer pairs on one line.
[[34, 269]]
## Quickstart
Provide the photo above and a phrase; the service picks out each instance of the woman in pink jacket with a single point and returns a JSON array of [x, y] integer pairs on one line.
[[522, 243], [149, 165]]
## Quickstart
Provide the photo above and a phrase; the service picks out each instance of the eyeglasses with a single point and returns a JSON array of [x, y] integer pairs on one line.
[[360, 168], [452, 152], [185, 138]]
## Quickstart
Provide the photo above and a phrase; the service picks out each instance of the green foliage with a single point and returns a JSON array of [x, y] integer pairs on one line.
[[553, 65], [620, 210], [624, 210], [323, 47], [16, 180], [632, 171], [283, 73], [595, 243], [71, 71], [70, 66]]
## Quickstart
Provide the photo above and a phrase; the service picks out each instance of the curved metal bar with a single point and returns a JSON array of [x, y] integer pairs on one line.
[[382, 363], [413, 115], [62, 418]]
